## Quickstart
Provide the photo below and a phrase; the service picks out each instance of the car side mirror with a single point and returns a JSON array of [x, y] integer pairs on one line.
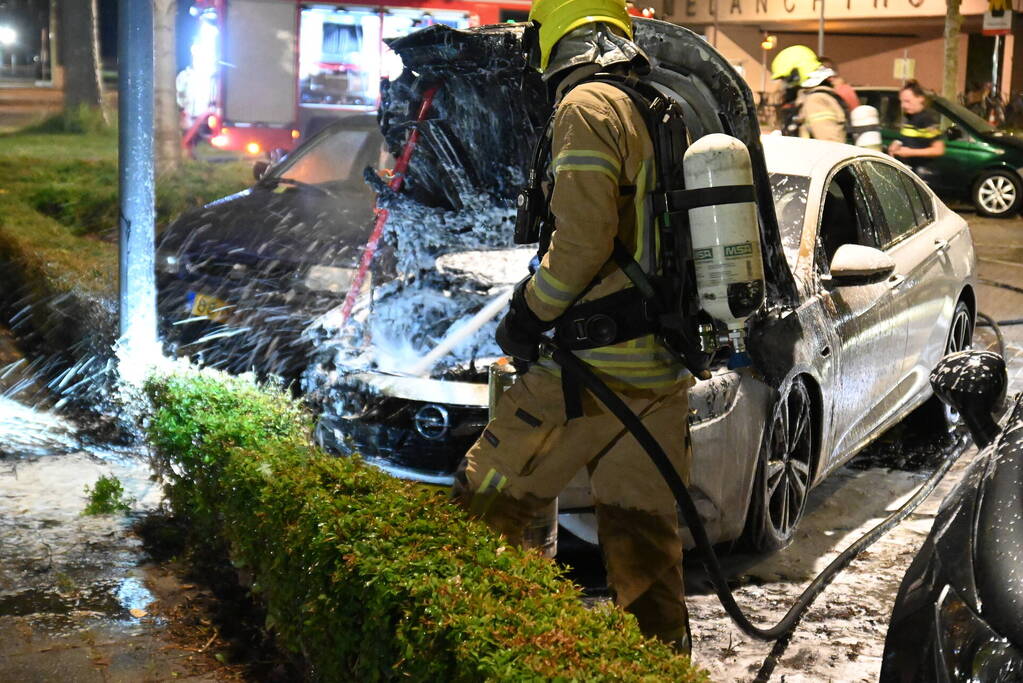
[[854, 264], [973, 383], [954, 133], [259, 169]]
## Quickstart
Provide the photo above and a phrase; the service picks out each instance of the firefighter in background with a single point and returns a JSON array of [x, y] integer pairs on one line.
[[600, 172], [920, 137], [840, 85], [812, 108]]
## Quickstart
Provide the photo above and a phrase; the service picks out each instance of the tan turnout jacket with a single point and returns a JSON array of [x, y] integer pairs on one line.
[[823, 118], [602, 169]]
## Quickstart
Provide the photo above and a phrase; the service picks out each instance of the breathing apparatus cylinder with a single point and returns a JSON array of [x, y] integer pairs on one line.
[[865, 125], [725, 237]]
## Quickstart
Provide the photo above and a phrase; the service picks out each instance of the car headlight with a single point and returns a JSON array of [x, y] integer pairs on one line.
[[329, 279]]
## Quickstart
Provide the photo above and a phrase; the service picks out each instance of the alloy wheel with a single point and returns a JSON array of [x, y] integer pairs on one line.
[[960, 338], [787, 470], [997, 194]]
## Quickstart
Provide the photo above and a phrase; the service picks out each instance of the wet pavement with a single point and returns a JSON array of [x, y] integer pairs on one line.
[[79, 598]]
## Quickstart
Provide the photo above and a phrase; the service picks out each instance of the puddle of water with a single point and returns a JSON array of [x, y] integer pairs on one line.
[[98, 598], [133, 595]]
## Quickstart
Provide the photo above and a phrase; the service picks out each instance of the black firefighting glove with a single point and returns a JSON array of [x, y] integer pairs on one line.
[[520, 332]]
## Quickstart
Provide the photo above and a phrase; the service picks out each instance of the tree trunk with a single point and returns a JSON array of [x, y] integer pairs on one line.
[[79, 23], [953, 24], [168, 133], [56, 55]]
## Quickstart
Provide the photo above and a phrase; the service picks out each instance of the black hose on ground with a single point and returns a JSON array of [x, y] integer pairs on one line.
[[586, 378], [1002, 285], [996, 327]]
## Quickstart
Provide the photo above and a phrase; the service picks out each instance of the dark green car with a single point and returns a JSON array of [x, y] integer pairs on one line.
[[981, 164]]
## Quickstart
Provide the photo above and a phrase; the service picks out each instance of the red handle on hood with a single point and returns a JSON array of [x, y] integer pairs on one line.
[[398, 178]]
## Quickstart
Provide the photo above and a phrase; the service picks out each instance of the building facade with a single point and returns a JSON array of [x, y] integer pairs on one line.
[[863, 37]]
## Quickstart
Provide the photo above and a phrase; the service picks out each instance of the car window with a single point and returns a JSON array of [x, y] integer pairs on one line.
[[890, 110], [969, 119], [919, 200], [790, 193], [887, 104], [895, 200], [926, 199], [332, 160], [845, 217]]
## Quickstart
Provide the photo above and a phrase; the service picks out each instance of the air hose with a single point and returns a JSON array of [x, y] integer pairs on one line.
[[586, 378]]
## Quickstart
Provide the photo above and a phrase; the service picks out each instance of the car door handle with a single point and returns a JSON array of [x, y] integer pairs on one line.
[[941, 246], [896, 280]]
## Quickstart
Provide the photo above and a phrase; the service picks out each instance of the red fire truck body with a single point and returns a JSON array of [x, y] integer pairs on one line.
[[264, 73]]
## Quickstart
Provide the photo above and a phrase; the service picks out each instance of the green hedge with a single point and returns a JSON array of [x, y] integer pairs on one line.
[[369, 577]]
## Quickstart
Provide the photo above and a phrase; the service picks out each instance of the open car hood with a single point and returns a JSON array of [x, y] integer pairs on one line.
[[459, 191], [714, 96]]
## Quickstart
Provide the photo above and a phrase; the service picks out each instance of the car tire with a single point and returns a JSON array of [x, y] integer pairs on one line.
[[997, 194], [782, 481], [934, 414]]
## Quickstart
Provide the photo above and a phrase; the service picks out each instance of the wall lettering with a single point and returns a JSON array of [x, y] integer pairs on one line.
[[700, 11]]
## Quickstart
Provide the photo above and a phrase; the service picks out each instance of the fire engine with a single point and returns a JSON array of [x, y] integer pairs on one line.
[[266, 73]]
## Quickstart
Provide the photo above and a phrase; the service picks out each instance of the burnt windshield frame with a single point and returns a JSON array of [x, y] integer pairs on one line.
[[786, 188]]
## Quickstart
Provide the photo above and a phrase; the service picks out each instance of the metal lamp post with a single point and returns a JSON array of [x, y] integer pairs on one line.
[[136, 185]]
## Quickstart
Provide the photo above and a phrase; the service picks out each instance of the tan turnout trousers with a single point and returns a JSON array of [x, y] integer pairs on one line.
[[528, 454]]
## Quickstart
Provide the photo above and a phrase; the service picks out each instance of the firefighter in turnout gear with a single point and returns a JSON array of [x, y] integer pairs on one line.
[[812, 109], [599, 171]]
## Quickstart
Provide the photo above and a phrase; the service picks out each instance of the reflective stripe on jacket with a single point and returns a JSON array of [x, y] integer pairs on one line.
[[823, 118], [920, 130], [602, 167]]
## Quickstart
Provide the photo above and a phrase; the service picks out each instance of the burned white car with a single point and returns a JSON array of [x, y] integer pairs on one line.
[[869, 282]]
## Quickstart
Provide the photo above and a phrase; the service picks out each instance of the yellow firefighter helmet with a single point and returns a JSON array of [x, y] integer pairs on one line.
[[557, 18], [798, 58]]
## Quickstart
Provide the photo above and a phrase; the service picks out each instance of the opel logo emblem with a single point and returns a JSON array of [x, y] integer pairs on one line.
[[432, 422]]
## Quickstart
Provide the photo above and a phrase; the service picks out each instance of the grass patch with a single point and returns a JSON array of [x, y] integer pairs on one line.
[[106, 497], [59, 203], [370, 577]]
